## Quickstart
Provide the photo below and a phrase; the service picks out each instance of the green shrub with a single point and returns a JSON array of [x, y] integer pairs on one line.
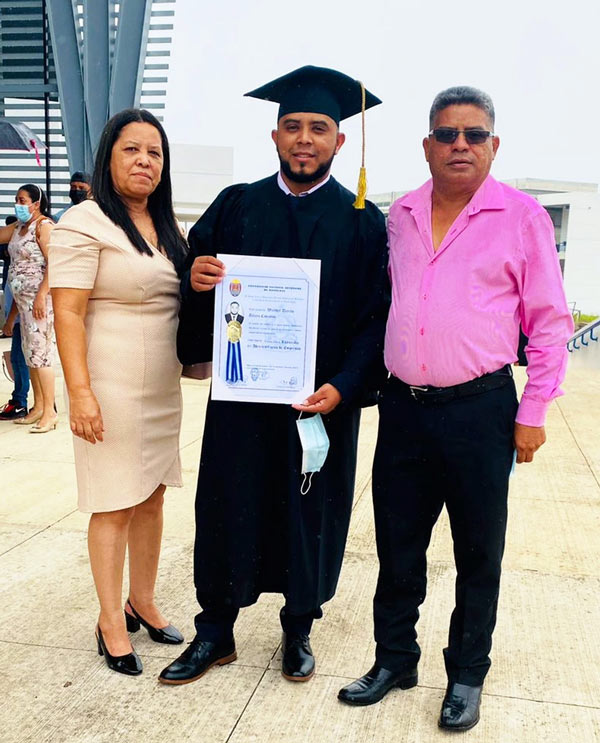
[[587, 318]]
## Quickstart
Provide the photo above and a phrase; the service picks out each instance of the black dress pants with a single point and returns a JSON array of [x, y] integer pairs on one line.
[[215, 622], [457, 453]]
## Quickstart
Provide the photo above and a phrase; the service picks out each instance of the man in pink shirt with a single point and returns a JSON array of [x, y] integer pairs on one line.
[[470, 261]]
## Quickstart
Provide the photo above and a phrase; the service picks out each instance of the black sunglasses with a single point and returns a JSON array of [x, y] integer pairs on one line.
[[447, 135]]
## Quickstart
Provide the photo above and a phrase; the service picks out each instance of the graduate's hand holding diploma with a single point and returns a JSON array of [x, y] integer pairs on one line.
[[323, 401], [206, 273]]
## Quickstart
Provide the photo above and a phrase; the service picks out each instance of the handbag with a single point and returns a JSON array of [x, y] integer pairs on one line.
[[7, 367]]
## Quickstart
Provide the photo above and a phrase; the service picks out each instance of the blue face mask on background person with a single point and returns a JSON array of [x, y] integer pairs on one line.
[[22, 212], [315, 445]]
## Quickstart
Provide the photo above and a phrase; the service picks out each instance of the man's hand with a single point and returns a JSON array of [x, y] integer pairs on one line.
[[323, 401], [7, 329], [528, 440], [206, 273]]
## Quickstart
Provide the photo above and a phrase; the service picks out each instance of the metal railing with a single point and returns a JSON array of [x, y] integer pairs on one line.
[[582, 337]]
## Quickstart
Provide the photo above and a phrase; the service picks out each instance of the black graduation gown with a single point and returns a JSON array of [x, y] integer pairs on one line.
[[255, 532]]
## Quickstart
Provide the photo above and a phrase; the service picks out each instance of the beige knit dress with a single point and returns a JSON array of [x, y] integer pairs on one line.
[[131, 325]]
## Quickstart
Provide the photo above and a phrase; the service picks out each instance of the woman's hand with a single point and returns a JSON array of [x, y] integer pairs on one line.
[[39, 305], [86, 416]]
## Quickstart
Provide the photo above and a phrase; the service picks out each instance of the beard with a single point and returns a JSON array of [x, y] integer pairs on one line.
[[303, 177]]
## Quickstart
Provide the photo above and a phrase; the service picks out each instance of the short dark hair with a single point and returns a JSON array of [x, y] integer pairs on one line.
[[462, 95], [160, 201], [81, 177], [36, 194], [11, 219]]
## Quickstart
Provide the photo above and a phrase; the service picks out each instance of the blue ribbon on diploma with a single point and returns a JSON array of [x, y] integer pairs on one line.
[[233, 369]]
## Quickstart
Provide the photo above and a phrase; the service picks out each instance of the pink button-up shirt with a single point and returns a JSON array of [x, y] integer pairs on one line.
[[456, 311]]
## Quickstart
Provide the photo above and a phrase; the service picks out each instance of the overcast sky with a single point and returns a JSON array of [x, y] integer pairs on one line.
[[540, 62]]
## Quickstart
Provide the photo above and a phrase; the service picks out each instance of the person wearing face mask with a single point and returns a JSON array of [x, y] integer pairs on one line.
[[16, 407], [80, 189], [28, 281]]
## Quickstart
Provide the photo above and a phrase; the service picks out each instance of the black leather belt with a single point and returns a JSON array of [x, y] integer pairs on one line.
[[436, 395]]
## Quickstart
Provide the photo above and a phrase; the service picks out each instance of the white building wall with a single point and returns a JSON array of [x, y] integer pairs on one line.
[[582, 257], [198, 174]]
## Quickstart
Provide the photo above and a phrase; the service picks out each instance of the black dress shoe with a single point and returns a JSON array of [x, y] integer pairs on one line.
[[298, 663], [168, 635], [129, 664], [460, 708], [375, 684], [196, 659]]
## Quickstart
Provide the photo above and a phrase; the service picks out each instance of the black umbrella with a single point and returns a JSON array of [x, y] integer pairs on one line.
[[14, 135]]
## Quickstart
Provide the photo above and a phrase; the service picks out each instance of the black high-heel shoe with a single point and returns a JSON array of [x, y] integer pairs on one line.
[[129, 664], [168, 635]]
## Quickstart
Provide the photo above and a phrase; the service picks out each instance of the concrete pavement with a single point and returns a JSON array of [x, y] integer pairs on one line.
[[545, 680]]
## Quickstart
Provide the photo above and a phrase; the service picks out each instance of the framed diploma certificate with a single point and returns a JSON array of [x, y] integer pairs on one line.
[[265, 329]]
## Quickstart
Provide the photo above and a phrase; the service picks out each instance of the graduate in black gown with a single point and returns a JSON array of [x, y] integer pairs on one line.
[[255, 531]]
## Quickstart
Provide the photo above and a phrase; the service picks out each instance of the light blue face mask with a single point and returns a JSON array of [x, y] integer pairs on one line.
[[315, 445], [22, 212]]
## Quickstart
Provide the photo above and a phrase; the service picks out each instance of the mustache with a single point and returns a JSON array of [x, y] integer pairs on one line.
[[302, 177]]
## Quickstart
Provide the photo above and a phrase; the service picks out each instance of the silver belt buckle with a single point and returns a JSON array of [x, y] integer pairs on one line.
[[414, 388]]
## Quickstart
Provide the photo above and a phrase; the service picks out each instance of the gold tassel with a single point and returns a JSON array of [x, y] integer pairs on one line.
[[361, 190]]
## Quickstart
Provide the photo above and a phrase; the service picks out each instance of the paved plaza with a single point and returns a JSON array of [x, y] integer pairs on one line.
[[544, 685]]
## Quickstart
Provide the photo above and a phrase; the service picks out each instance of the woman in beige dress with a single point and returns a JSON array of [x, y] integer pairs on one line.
[[114, 264]]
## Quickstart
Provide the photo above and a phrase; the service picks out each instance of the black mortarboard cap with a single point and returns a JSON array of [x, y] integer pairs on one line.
[[320, 90]]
